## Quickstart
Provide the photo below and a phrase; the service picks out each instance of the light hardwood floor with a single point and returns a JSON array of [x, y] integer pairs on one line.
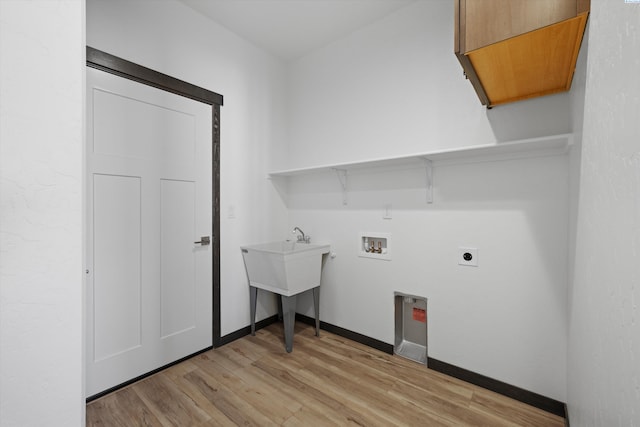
[[325, 381]]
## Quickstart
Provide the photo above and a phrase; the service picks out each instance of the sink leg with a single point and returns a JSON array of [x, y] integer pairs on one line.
[[253, 298], [289, 317], [279, 308], [316, 308]]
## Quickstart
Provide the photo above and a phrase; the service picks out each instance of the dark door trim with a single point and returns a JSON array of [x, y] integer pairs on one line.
[[129, 70], [123, 68]]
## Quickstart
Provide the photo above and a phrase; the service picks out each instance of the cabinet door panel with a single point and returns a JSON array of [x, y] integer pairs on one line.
[[491, 21]]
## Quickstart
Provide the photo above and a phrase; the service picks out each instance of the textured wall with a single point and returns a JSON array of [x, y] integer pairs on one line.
[[604, 344], [41, 134]]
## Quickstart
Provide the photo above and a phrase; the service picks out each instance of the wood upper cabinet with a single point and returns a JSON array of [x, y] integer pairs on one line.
[[512, 50]]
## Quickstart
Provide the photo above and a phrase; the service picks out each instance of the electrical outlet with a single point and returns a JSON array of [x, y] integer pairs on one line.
[[468, 256]]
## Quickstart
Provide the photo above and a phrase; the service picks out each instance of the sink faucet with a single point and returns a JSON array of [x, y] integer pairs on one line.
[[302, 238]]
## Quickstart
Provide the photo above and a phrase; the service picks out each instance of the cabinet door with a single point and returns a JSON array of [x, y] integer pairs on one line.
[[490, 21], [517, 49]]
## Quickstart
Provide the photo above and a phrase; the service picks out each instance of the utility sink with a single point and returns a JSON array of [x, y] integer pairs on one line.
[[284, 267]]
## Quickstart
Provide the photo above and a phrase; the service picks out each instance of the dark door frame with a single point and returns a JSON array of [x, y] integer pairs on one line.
[[129, 70]]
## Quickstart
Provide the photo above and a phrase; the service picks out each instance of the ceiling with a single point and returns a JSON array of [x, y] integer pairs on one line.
[[291, 28]]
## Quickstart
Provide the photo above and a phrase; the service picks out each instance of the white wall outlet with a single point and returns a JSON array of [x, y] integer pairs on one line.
[[468, 256]]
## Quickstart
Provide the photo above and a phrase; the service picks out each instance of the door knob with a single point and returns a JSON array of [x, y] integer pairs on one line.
[[204, 241]]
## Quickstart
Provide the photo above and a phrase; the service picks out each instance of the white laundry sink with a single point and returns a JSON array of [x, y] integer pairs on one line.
[[284, 267]]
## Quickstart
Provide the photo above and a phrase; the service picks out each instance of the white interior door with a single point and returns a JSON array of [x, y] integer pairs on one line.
[[149, 199]]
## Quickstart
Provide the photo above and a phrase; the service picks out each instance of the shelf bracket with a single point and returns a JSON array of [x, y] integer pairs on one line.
[[342, 177], [428, 167]]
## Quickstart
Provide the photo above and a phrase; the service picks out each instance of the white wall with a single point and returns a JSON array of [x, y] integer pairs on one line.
[[604, 345], [41, 134], [396, 88], [577, 109], [171, 38]]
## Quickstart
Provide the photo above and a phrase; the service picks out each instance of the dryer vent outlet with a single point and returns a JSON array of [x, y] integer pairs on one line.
[[410, 327]]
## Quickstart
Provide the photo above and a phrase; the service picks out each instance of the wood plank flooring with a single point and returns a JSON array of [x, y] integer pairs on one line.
[[325, 381]]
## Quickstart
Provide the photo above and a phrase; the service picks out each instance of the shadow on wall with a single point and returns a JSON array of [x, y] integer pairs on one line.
[[472, 199], [466, 185], [548, 115]]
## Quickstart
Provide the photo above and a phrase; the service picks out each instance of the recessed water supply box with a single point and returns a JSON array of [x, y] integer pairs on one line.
[[374, 245], [410, 327]]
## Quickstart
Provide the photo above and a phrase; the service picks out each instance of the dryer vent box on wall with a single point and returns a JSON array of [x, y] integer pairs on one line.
[[410, 327]]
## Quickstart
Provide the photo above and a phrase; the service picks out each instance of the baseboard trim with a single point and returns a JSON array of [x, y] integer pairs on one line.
[[345, 333], [530, 398], [243, 332], [534, 399], [143, 376], [223, 340]]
